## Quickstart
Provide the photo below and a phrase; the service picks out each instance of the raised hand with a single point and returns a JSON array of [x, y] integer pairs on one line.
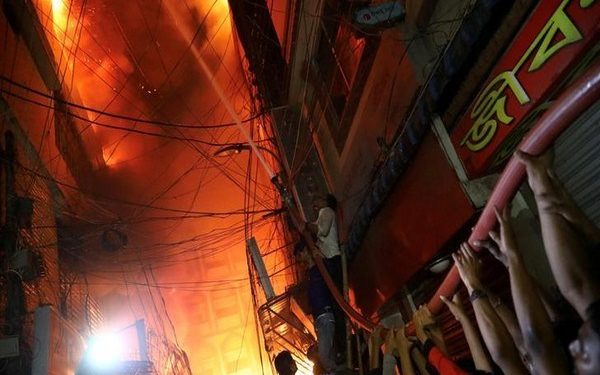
[[403, 346], [562, 204], [537, 172], [505, 238], [469, 267], [402, 342], [390, 343], [422, 318], [552, 197], [455, 307], [374, 344], [494, 249]]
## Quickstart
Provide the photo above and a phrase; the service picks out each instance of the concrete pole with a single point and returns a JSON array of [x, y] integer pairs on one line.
[[259, 264]]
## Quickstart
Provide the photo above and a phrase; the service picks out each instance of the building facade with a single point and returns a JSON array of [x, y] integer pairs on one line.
[[409, 121]]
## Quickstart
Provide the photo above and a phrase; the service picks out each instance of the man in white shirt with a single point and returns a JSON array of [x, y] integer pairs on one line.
[[325, 228]]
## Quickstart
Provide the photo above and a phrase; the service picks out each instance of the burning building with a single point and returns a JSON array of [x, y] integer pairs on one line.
[[160, 160]]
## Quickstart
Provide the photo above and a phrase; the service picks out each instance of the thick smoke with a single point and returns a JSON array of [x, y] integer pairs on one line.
[[135, 58]]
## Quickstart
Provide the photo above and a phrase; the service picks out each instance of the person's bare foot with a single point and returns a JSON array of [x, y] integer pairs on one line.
[[538, 172]]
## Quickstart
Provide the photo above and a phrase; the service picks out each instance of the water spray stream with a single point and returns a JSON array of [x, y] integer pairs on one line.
[[285, 195], [233, 114], [219, 90]]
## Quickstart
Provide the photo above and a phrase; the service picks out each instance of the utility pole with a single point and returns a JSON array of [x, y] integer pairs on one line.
[[15, 306], [259, 264]]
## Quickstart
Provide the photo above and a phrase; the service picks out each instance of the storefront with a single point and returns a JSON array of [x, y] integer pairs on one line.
[[427, 208], [558, 43]]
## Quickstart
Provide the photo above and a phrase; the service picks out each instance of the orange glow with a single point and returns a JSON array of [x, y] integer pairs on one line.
[[112, 155], [59, 37], [221, 8], [60, 17], [58, 8], [113, 73]]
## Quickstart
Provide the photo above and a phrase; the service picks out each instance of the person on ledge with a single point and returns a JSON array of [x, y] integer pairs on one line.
[[321, 304], [325, 229]]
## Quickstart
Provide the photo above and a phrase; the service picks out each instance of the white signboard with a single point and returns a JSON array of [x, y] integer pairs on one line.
[[386, 13]]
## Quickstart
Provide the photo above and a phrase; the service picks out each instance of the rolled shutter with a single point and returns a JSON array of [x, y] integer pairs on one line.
[[577, 161]]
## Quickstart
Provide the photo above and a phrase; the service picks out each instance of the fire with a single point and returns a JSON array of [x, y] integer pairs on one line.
[[112, 155], [221, 8], [97, 78], [60, 16]]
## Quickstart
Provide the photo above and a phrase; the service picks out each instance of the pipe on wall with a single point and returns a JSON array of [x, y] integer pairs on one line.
[[564, 111]]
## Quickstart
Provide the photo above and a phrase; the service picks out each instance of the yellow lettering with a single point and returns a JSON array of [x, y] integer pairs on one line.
[[558, 23], [585, 3], [480, 136], [514, 138], [490, 107]]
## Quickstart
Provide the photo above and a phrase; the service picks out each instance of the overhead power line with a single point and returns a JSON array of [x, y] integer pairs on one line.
[[116, 127], [136, 204], [125, 117]]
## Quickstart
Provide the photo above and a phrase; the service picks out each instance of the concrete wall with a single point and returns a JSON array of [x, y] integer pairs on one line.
[[30, 146], [404, 57], [34, 57], [34, 121]]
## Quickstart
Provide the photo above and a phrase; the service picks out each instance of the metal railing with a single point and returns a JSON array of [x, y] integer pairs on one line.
[[564, 111]]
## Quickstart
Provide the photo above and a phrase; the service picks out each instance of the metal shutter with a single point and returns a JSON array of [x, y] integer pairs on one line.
[[577, 161]]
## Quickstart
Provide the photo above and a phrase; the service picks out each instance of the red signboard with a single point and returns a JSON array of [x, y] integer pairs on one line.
[[425, 209], [553, 43]]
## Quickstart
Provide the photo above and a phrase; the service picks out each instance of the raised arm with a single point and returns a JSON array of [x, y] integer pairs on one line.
[[534, 322], [509, 319], [495, 334], [435, 357], [374, 345], [419, 360], [567, 233], [479, 357], [505, 314], [403, 347], [388, 365]]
